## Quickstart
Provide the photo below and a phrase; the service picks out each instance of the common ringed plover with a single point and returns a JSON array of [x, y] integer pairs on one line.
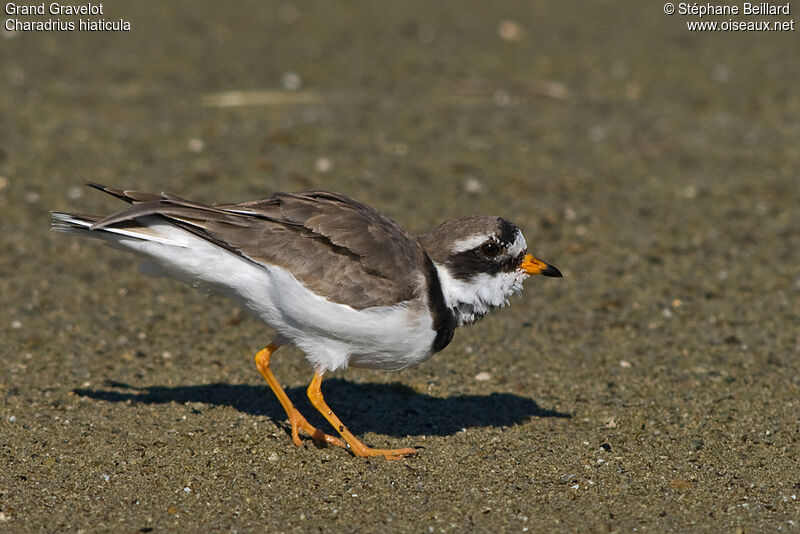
[[331, 275]]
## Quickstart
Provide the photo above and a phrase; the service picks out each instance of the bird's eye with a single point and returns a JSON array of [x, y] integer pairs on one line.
[[490, 249]]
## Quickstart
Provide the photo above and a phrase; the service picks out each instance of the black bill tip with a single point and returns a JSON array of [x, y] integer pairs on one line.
[[552, 271]]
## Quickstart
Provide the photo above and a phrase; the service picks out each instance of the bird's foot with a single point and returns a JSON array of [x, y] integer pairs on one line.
[[299, 422], [359, 449]]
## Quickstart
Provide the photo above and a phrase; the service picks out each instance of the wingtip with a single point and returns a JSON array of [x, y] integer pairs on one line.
[[118, 193], [95, 185]]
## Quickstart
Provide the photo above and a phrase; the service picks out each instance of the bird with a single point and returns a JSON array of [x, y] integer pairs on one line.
[[345, 284]]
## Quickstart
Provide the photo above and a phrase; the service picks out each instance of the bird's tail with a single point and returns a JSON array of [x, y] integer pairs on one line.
[[80, 224], [73, 223]]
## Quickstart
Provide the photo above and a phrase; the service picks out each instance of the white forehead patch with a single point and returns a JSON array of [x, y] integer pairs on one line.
[[519, 245]]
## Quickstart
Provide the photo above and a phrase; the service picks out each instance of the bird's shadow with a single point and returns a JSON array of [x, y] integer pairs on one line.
[[392, 409]]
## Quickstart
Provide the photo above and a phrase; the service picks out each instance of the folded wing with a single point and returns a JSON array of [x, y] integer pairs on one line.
[[334, 245]]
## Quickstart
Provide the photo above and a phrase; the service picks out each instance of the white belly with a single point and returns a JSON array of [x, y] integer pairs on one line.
[[332, 335]]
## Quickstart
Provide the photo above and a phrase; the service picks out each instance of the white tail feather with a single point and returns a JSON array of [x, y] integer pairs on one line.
[[75, 224]]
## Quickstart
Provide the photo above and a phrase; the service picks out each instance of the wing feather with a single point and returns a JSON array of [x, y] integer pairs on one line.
[[334, 245]]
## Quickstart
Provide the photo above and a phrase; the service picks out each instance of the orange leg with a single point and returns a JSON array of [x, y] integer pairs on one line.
[[358, 448], [296, 419]]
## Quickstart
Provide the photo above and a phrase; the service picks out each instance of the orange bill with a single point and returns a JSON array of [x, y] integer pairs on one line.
[[533, 265]]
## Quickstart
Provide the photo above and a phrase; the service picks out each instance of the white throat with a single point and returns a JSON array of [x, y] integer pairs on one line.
[[471, 300]]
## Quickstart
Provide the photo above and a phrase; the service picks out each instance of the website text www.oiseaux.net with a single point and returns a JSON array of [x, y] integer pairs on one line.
[[745, 10], [739, 25]]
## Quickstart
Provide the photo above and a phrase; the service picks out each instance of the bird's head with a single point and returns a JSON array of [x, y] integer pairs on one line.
[[481, 261]]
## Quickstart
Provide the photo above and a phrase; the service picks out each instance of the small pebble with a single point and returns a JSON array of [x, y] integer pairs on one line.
[[483, 376], [473, 185], [509, 31], [721, 73], [291, 81], [323, 165], [633, 91], [501, 98], [195, 145], [597, 133], [400, 149]]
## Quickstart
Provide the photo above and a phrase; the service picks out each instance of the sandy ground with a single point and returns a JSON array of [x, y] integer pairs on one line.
[[654, 388]]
